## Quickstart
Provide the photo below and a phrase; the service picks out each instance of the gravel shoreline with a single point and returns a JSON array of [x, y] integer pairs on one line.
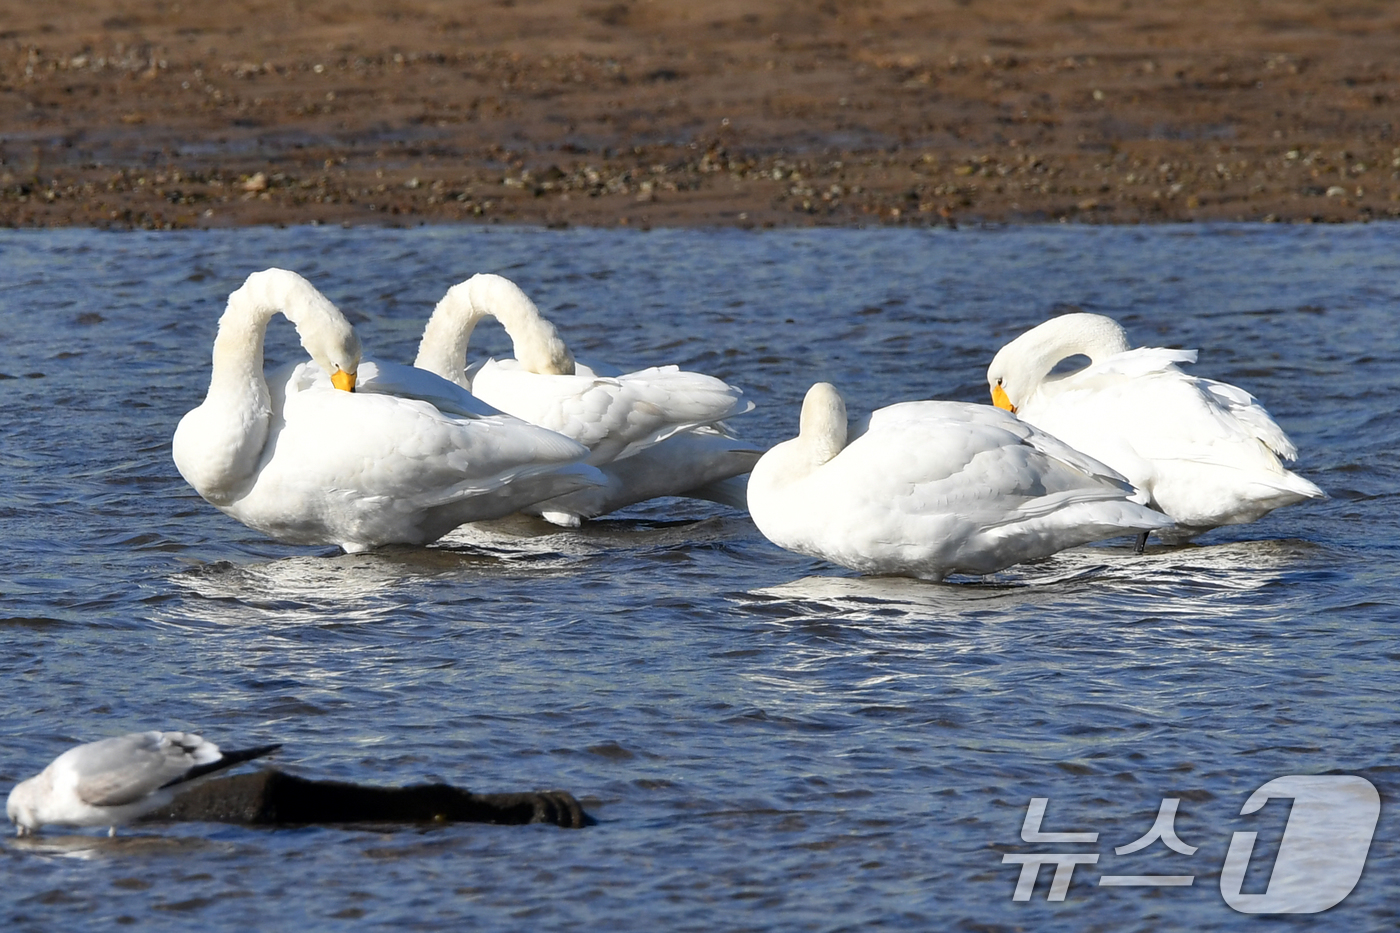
[[732, 114]]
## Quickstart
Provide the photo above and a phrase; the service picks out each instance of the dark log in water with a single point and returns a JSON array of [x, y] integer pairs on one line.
[[274, 798]]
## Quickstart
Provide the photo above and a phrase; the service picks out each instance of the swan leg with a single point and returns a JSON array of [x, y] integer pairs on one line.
[[1141, 543]]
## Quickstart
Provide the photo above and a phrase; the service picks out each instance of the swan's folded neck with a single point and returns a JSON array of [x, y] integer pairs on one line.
[[443, 349], [238, 353], [218, 445], [822, 426], [238, 348], [821, 435], [1026, 362], [537, 344]]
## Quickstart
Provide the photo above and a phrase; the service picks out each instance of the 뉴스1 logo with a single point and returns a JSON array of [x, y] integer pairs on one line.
[[1323, 850], [1319, 861]]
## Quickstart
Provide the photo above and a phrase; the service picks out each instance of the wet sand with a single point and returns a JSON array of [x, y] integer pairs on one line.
[[644, 113]]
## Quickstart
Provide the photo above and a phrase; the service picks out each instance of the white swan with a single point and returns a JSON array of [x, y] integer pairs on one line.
[[1205, 452], [307, 463], [933, 488], [654, 432]]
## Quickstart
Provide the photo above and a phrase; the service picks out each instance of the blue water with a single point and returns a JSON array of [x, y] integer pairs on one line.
[[766, 741]]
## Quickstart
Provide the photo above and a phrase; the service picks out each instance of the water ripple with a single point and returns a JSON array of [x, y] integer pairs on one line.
[[767, 741]]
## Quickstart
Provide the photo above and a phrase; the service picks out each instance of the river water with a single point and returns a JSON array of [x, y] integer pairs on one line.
[[766, 741]]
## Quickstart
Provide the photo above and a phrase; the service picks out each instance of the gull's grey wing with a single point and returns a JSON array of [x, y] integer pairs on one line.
[[127, 768]]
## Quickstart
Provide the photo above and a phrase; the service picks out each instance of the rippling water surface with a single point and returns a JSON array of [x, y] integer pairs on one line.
[[767, 742]]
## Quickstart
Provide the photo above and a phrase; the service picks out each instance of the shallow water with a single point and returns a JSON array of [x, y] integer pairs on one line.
[[767, 742]]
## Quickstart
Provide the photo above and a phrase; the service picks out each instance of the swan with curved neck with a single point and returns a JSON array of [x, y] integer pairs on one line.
[[1205, 452], [654, 432], [538, 347], [933, 488], [233, 422], [307, 461], [1021, 369]]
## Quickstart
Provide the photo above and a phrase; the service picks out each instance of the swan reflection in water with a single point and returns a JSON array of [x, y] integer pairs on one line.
[[834, 640], [303, 589], [316, 589], [522, 537], [1179, 580]]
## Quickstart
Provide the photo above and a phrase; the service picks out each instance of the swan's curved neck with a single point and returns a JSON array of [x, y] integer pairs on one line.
[[443, 349], [537, 345], [238, 347], [822, 427], [217, 446], [238, 351], [1039, 350]]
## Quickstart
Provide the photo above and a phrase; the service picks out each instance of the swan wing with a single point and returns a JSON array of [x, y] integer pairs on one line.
[[664, 401], [1205, 452], [997, 425], [963, 455], [1136, 362], [1162, 415], [1251, 415], [935, 487], [390, 379], [383, 445], [1205, 407], [699, 464], [613, 416], [410, 382]]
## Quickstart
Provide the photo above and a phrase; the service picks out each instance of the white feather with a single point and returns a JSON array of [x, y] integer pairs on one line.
[[653, 432], [113, 781], [932, 488], [307, 463], [1204, 452]]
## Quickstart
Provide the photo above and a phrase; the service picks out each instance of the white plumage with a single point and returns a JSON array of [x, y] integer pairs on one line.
[[927, 489], [306, 463], [113, 781], [1205, 452], [653, 432]]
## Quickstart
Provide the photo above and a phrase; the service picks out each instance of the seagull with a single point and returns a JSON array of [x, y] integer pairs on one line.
[[114, 781]]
